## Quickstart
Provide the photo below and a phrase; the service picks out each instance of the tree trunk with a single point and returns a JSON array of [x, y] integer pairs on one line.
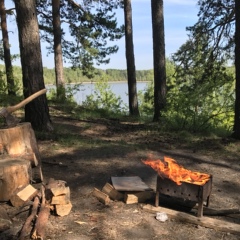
[[6, 49], [36, 111], [131, 71], [57, 32], [236, 128], [158, 58]]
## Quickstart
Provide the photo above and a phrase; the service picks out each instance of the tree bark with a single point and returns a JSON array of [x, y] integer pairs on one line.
[[131, 71], [36, 111], [6, 49], [158, 58], [57, 32], [20, 141], [236, 128], [14, 172]]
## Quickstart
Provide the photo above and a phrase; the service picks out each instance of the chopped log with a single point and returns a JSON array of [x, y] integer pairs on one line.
[[5, 221], [53, 184], [207, 222], [20, 141], [63, 210], [14, 173], [102, 197], [61, 199], [138, 197], [26, 229], [20, 197], [61, 190], [112, 192]]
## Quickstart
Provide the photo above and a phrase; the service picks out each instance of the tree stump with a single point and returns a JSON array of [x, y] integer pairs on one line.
[[20, 142], [14, 173]]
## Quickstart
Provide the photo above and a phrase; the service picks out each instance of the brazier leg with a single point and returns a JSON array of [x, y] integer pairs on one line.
[[157, 199], [200, 208]]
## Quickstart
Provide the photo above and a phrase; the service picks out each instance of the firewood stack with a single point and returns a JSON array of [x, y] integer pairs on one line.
[[58, 196], [138, 193], [54, 196]]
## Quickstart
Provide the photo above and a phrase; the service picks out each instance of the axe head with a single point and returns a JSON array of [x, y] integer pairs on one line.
[[9, 118]]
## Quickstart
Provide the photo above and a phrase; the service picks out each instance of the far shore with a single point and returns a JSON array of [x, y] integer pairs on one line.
[[89, 82]]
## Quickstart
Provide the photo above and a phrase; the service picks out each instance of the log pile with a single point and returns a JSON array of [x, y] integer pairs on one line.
[[58, 196], [54, 197], [109, 193], [20, 161]]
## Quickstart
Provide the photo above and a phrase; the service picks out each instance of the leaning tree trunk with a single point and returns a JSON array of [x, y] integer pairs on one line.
[[37, 111], [158, 58], [57, 32], [131, 71], [6, 49], [236, 129]]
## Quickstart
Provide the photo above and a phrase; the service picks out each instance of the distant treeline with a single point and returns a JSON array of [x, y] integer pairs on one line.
[[76, 76]]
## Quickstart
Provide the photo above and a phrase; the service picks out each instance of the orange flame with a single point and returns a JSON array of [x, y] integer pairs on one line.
[[170, 169]]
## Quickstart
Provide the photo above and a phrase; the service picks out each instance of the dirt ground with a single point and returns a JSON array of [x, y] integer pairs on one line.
[[99, 149]]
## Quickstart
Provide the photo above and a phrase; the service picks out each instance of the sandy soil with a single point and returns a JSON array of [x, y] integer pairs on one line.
[[113, 148]]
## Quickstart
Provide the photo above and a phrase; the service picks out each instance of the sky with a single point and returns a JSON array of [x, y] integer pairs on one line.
[[178, 14]]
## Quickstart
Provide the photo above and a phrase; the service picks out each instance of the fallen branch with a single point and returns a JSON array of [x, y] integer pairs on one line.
[[26, 229], [191, 207], [219, 212], [41, 222], [207, 222]]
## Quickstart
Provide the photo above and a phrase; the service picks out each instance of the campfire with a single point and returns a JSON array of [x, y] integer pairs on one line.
[[176, 181], [170, 169]]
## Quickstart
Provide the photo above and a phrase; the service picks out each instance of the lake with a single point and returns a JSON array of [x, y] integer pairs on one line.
[[118, 88]]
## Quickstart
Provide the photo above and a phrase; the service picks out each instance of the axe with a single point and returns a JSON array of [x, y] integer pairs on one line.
[[6, 112]]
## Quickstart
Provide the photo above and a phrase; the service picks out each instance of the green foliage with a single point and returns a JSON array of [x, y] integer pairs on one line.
[[76, 75], [146, 98], [103, 98], [217, 20], [202, 95], [4, 88], [91, 25], [70, 91], [3, 85], [198, 98]]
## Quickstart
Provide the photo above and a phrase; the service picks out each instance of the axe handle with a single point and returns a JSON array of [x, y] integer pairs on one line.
[[25, 101]]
